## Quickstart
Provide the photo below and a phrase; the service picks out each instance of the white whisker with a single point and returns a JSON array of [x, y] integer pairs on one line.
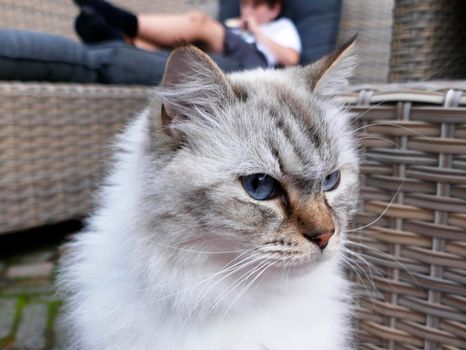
[[245, 289], [382, 214], [385, 255]]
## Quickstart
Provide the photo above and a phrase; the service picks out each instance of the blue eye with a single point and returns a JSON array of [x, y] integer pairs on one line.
[[331, 181], [260, 186]]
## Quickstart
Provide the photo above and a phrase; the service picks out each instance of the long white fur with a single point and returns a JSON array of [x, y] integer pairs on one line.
[[124, 291]]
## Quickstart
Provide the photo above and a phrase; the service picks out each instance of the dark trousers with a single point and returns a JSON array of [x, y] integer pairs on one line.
[[31, 56]]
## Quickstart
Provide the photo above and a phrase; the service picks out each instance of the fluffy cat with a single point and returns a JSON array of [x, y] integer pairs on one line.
[[221, 223]]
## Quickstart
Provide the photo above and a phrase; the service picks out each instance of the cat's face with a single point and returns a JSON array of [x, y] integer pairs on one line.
[[260, 163]]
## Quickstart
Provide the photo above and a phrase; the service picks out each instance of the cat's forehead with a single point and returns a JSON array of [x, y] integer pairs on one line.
[[279, 93], [291, 126], [259, 83]]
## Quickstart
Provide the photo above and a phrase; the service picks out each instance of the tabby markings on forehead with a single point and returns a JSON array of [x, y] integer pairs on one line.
[[282, 124], [279, 160], [302, 114], [302, 182], [287, 134]]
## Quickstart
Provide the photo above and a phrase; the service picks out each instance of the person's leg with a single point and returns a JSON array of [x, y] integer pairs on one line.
[[168, 30], [91, 27], [145, 45], [161, 29], [123, 20], [32, 56]]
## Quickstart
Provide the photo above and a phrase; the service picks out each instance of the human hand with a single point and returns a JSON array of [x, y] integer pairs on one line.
[[233, 23], [250, 24]]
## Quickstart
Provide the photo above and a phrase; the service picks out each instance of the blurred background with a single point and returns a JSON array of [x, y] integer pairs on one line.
[[398, 40]]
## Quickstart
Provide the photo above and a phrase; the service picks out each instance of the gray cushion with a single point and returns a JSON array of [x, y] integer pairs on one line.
[[31, 56]]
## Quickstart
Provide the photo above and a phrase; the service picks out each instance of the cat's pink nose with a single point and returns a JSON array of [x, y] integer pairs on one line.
[[320, 238]]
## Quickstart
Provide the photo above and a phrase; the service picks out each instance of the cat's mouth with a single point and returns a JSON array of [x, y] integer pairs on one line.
[[302, 253], [295, 258]]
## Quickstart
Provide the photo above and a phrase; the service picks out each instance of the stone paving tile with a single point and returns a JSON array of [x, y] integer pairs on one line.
[[42, 269], [28, 289], [59, 334], [43, 255], [47, 298], [7, 316], [29, 305], [31, 331]]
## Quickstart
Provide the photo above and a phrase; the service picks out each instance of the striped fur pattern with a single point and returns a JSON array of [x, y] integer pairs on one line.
[[179, 256]]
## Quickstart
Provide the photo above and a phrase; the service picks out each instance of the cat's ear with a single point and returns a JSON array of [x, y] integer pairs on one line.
[[192, 82], [330, 74]]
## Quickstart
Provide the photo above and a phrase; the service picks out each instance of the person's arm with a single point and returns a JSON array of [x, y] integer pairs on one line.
[[284, 55]]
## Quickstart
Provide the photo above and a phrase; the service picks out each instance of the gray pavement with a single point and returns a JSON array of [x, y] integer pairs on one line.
[[29, 307]]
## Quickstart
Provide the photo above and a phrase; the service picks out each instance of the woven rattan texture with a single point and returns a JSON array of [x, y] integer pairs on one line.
[[372, 22], [53, 146], [414, 213], [429, 40]]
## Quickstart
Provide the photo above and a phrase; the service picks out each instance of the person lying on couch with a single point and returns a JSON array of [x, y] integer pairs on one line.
[[113, 55], [257, 39]]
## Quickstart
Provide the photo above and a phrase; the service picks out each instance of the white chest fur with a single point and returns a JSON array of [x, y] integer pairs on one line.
[[313, 317], [107, 313], [310, 313]]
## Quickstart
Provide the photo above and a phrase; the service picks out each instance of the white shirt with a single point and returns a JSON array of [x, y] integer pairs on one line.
[[282, 32]]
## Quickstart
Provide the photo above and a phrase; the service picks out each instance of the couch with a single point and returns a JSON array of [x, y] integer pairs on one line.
[[54, 135]]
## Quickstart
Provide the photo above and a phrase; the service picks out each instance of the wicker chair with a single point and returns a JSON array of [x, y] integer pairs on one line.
[[52, 143], [52, 139], [414, 213], [429, 40]]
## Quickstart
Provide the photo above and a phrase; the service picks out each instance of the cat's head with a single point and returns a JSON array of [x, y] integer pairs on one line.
[[261, 161]]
